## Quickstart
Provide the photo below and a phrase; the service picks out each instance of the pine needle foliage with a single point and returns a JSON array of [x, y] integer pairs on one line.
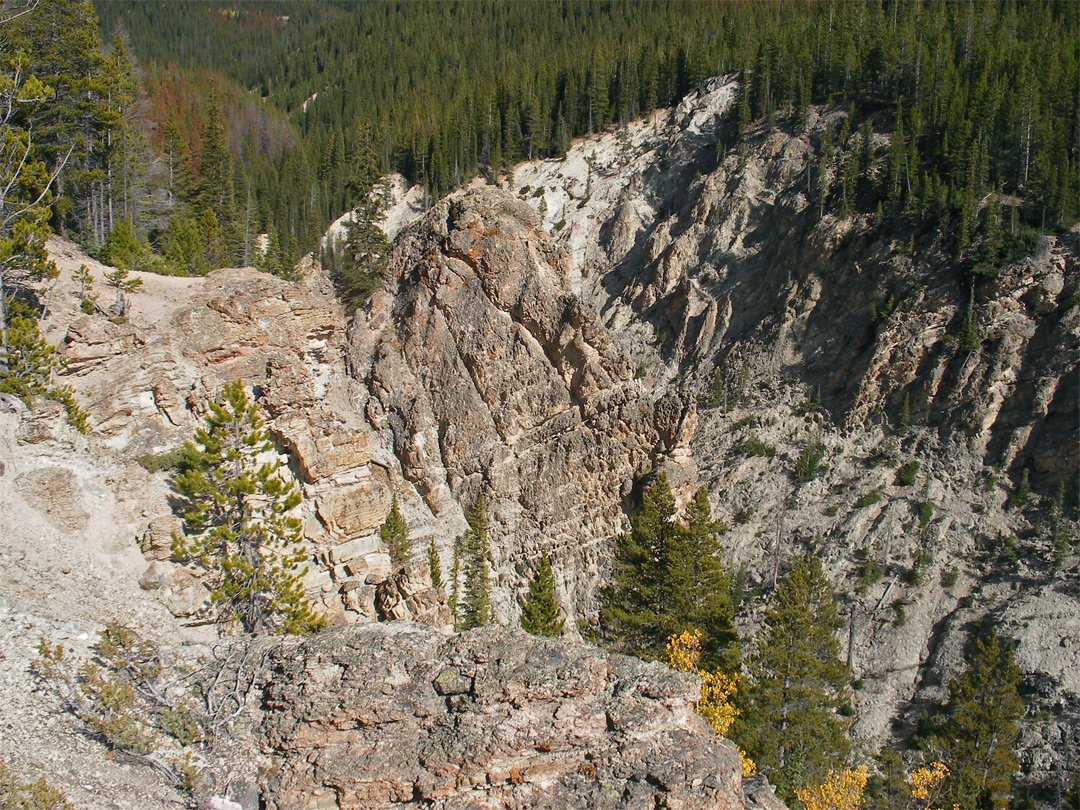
[[635, 615], [366, 246], [540, 612], [394, 534], [474, 605], [668, 579], [27, 366], [434, 565], [237, 522], [977, 733], [796, 683]]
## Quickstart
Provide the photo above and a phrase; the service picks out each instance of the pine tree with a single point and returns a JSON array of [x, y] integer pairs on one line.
[[540, 613], [395, 535], [214, 189], [119, 281], [121, 247], [453, 598], [87, 296], [366, 247], [635, 613], [980, 728], [25, 183], [237, 522], [434, 566], [701, 586], [27, 366], [474, 606], [796, 683], [904, 422], [668, 579]]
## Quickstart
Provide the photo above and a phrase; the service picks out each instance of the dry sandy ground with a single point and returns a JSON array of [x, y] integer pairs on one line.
[[155, 301]]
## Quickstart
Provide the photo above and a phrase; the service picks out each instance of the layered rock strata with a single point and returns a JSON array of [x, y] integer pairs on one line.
[[398, 716]]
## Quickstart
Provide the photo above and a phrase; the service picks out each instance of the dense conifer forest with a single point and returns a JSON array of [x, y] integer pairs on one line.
[[981, 96]]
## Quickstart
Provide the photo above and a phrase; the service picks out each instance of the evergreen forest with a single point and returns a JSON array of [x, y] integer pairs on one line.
[[198, 132]]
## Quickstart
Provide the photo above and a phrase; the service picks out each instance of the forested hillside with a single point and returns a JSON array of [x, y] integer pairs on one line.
[[982, 96], [777, 386]]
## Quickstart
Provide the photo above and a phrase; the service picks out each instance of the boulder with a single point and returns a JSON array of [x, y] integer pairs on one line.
[[398, 715]]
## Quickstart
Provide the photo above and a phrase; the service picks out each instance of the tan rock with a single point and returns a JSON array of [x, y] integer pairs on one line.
[[54, 491], [322, 454], [156, 540], [177, 588], [350, 511], [407, 595]]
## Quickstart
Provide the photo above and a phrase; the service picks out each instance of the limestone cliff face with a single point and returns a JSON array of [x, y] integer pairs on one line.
[[488, 375]]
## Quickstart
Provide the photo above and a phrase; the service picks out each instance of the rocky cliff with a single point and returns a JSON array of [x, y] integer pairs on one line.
[[551, 346], [488, 375], [789, 329]]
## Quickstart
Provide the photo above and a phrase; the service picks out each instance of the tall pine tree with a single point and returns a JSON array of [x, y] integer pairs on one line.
[[474, 605], [395, 535], [366, 246], [636, 611], [701, 585], [796, 683], [668, 579], [978, 732]]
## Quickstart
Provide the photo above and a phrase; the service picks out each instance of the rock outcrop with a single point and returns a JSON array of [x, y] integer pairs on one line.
[[398, 716], [487, 375]]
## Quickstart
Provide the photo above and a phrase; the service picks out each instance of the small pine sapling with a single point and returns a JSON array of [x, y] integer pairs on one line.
[[87, 297], [119, 281], [394, 534], [540, 612]]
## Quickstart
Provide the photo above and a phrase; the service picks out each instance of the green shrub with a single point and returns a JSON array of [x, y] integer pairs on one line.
[[871, 571], [753, 446], [743, 516], [926, 513], [1022, 493], [807, 466], [948, 578], [35, 796], [888, 453], [869, 499], [168, 461], [907, 474]]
